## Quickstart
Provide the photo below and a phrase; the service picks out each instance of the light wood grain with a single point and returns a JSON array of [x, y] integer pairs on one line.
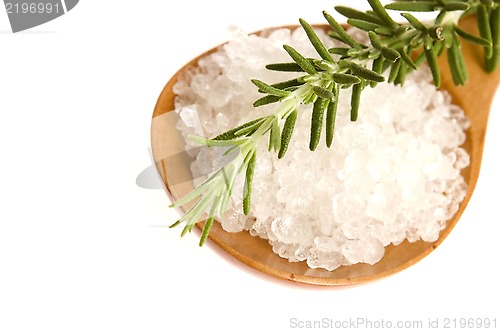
[[475, 98]]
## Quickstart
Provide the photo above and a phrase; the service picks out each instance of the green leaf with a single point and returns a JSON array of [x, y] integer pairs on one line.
[[406, 58], [206, 230], [315, 41], [322, 92], [345, 79], [390, 54], [365, 26], [483, 22], [394, 71], [471, 38], [413, 6], [287, 84], [439, 48], [286, 67], [374, 54], [457, 63], [275, 136], [378, 67], [440, 17], [300, 60], [414, 21], [270, 89], [430, 55], [287, 132], [341, 33], [385, 31], [248, 130], [269, 99], [356, 14], [492, 62], [322, 65], [230, 134], [212, 142], [375, 40], [401, 41], [355, 99], [364, 72], [317, 121], [455, 5], [342, 51], [331, 114], [403, 70], [248, 183], [214, 211], [382, 13]]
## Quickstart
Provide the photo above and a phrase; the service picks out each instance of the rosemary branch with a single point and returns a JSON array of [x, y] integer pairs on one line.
[[392, 47]]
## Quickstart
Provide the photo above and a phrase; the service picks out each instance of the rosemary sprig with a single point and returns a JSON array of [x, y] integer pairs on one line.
[[350, 68]]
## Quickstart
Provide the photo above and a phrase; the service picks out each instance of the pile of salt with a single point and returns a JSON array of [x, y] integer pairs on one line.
[[393, 175]]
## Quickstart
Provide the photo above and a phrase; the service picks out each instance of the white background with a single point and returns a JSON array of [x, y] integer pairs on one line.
[[83, 248]]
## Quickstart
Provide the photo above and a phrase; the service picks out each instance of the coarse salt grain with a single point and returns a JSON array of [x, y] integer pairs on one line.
[[393, 175]]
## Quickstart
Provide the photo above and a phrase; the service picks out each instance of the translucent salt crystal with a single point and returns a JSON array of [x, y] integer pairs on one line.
[[264, 167], [201, 85], [262, 228], [327, 224], [451, 210], [356, 159], [412, 183], [220, 92], [462, 158], [301, 254], [233, 220], [379, 166], [285, 250], [355, 229], [180, 87], [190, 117], [328, 261], [300, 203], [363, 251], [222, 122], [348, 207], [440, 214], [330, 244], [292, 229], [279, 37], [359, 182], [383, 203], [457, 188], [445, 133], [458, 115], [264, 211], [429, 233], [385, 234]]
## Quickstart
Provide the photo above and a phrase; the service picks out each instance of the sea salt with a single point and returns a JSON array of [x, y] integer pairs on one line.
[[391, 176]]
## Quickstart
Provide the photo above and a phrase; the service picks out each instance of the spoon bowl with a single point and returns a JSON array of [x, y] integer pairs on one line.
[[475, 99]]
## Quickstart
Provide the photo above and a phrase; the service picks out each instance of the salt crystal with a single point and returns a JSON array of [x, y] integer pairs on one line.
[[462, 158], [363, 251], [292, 229], [233, 221]]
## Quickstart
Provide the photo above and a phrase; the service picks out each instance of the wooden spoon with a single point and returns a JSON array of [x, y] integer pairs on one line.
[[475, 99]]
